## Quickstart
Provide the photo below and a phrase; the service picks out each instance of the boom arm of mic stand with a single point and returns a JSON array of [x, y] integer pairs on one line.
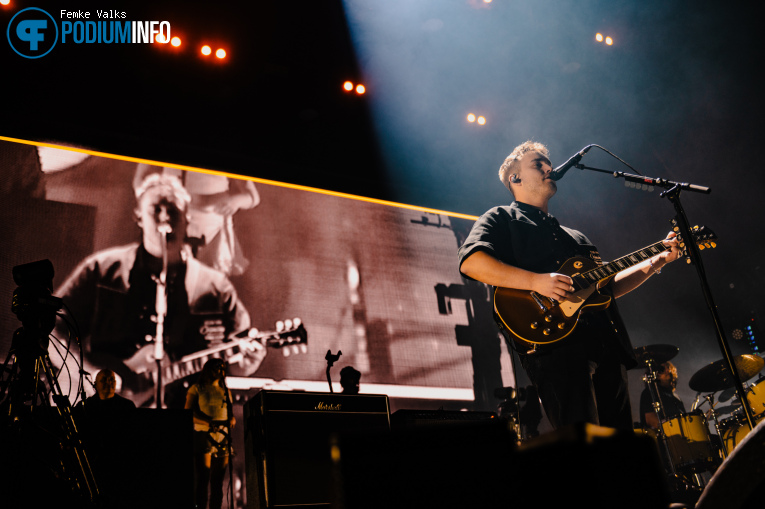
[[673, 194], [650, 181]]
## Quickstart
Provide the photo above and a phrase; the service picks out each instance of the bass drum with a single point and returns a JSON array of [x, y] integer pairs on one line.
[[688, 442], [734, 429]]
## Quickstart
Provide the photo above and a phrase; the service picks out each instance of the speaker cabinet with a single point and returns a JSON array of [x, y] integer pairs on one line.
[[288, 443]]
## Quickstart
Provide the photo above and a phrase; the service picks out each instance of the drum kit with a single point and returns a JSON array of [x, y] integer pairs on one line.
[[688, 446]]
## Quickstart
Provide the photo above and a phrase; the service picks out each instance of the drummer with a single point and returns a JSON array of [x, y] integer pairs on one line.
[[666, 382]]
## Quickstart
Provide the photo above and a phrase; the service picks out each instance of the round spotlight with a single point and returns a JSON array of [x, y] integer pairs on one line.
[[206, 50], [481, 120], [609, 41], [471, 117], [347, 86], [5, 2], [360, 89], [220, 53], [175, 41], [599, 37]]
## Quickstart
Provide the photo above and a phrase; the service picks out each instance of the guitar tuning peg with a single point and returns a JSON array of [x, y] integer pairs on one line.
[[296, 322], [288, 324], [701, 247], [285, 352], [303, 348], [252, 333], [295, 349], [279, 326], [713, 244]]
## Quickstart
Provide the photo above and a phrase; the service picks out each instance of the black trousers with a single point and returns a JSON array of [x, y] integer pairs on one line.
[[582, 379]]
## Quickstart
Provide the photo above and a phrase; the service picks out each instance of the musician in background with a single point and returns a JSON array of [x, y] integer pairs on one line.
[[212, 410], [106, 400], [350, 378], [583, 377], [106, 425], [112, 295], [671, 404]]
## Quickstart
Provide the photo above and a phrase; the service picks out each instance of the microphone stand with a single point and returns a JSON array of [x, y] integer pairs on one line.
[[331, 359], [160, 305], [230, 440], [683, 229]]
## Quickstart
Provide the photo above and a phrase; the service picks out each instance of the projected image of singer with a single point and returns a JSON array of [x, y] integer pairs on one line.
[[582, 376], [115, 295]]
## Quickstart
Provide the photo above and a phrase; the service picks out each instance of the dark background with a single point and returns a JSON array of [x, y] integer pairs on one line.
[[676, 96]]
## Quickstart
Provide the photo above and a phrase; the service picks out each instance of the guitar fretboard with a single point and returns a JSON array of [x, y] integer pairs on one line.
[[605, 271]]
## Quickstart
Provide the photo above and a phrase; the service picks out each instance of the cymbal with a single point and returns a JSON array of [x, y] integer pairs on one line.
[[728, 408], [716, 377], [656, 353], [727, 394]]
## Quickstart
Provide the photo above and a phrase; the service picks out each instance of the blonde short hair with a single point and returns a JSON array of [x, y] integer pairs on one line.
[[510, 162], [169, 182]]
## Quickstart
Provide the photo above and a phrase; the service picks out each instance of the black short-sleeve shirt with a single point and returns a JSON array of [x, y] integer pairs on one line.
[[526, 237]]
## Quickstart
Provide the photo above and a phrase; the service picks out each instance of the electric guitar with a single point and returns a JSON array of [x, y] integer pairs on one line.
[[139, 372], [534, 320]]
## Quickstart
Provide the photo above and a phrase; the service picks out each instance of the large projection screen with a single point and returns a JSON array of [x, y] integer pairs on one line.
[[377, 281]]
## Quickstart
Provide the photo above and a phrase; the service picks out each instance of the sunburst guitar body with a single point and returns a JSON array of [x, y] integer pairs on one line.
[[533, 320]]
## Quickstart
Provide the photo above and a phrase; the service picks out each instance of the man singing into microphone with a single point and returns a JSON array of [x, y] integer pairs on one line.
[[113, 297], [581, 378]]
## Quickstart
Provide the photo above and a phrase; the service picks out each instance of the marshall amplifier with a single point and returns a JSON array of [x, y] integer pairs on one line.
[[288, 443]]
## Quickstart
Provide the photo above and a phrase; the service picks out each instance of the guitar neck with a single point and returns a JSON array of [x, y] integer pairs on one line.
[[608, 270], [193, 363]]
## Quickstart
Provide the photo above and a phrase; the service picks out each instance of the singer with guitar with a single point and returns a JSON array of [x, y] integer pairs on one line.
[[153, 294], [582, 376]]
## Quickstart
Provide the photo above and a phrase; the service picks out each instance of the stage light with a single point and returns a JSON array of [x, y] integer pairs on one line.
[[175, 41], [206, 50], [347, 86], [471, 117], [599, 37], [5, 2], [481, 120], [609, 41], [220, 53], [360, 89]]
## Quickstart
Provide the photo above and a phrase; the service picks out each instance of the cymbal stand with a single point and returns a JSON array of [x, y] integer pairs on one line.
[[653, 389], [710, 398]]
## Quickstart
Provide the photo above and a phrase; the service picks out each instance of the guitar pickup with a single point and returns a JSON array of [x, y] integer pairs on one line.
[[538, 300]]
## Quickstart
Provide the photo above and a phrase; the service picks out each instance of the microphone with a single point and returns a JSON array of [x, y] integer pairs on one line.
[[164, 228], [558, 172]]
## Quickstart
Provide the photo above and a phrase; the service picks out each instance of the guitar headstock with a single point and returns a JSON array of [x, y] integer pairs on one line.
[[703, 236], [290, 336]]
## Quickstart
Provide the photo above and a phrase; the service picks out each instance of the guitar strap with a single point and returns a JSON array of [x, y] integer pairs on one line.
[[222, 446]]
